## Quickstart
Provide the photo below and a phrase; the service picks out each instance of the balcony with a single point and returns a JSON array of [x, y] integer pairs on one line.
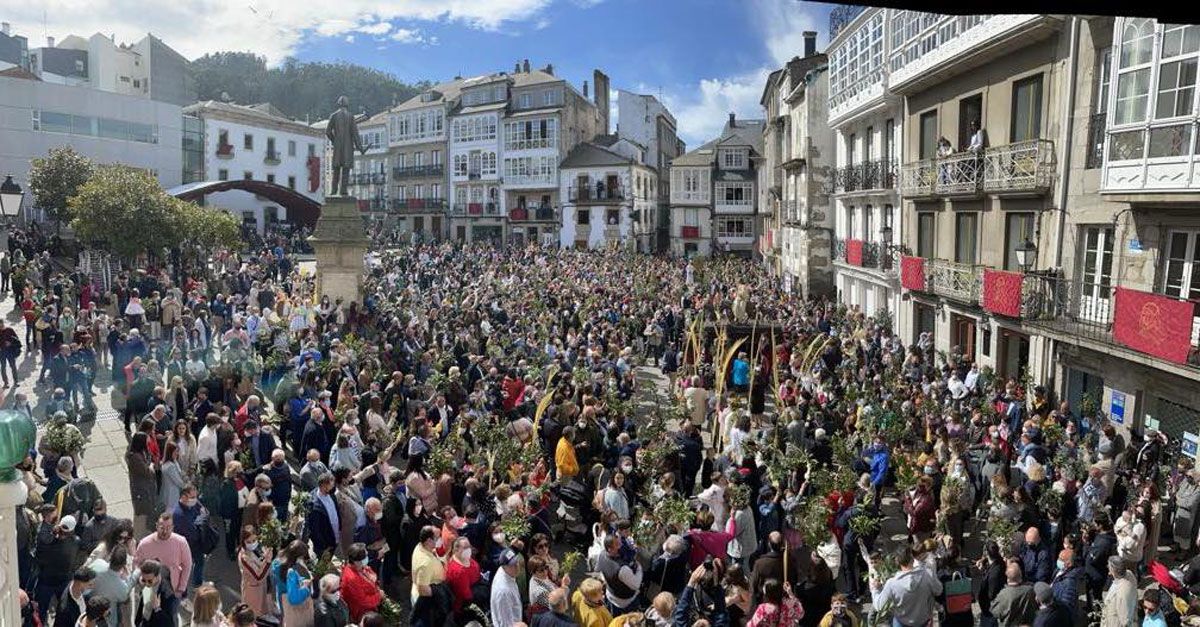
[[477, 208], [868, 176], [225, 151], [373, 204], [1084, 312], [272, 158], [418, 205], [862, 254], [597, 193], [474, 175], [1023, 167], [1163, 159], [532, 180], [435, 169], [957, 281], [733, 205], [530, 213], [841, 16]]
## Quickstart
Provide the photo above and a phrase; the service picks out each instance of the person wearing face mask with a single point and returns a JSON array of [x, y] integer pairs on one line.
[[190, 520], [839, 614], [261, 493], [428, 572], [154, 601], [254, 563], [920, 508], [566, 464], [331, 609], [462, 573], [958, 499], [1065, 584], [360, 584]]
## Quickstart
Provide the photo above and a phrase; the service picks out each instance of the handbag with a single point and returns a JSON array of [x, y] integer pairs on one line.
[[958, 594]]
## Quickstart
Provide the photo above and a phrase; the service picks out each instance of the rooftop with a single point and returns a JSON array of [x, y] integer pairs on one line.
[[589, 154], [263, 113]]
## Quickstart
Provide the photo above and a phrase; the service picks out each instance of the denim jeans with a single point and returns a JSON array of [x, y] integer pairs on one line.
[[197, 577]]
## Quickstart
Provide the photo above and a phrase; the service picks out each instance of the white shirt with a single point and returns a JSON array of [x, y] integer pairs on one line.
[[206, 445], [506, 599]]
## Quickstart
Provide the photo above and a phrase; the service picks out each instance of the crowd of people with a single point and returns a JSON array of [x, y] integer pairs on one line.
[[486, 439]]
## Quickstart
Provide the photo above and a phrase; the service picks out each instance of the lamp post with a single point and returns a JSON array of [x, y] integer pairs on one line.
[[11, 196], [1026, 253]]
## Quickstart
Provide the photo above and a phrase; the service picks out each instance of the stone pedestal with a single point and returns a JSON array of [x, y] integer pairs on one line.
[[12, 494], [340, 241]]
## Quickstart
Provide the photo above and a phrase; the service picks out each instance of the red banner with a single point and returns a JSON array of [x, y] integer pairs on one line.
[[1154, 324], [314, 174], [854, 252], [912, 273], [1002, 292]]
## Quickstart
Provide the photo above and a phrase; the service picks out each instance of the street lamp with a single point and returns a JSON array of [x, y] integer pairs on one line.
[[1026, 254], [11, 195]]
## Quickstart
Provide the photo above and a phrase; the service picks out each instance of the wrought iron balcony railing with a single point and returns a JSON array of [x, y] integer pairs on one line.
[[435, 169], [477, 208], [959, 281], [1019, 167], [543, 213], [271, 158], [402, 205], [866, 176], [597, 193]]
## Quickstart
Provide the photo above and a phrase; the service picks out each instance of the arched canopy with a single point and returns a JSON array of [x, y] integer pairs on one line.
[[301, 209]]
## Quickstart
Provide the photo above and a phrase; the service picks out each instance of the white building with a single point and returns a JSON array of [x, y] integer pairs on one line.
[[691, 202], [146, 69], [369, 178], [478, 205], [866, 120], [36, 116], [606, 193], [256, 142]]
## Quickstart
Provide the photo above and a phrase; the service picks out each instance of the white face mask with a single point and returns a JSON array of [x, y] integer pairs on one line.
[[466, 554], [253, 546], [148, 594], [498, 538], [377, 516]]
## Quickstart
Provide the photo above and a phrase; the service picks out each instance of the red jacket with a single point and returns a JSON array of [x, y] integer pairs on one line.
[[516, 393], [360, 593]]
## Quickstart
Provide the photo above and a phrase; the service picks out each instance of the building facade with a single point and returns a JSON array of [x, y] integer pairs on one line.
[[793, 184], [146, 69], [108, 128], [691, 202], [417, 147], [646, 121], [256, 142], [477, 210], [369, 177], [866, 120], [608, 196]]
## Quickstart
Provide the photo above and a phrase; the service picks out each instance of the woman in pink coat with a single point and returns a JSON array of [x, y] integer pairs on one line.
[[254, 561]]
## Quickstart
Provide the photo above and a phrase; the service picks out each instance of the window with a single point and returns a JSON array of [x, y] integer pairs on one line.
[[1096, 289], [583, 215], [312, 150], [271, 148], [733, 159], [691, 217], [270, 178], [401, 160], [460, 165], [613, 217], [248, 141], [222, 174], [435, 157], [222, 138], [418, 191], [418, 159], [248, 176], [889, 133], [850, 222], [1133, 80], [291, 182], [109, 128], [1026, 109], [1103, 80], [401, 192], [851, 142], [1181, 276], [1176, 84], [732, 228], [965, 238], [435, 190], [291, 148], [1017, 228], [868, 223], [929, 135], [525, 100]]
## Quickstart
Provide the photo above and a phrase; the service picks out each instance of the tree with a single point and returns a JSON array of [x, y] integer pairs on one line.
[[55, 178], [206, 228]]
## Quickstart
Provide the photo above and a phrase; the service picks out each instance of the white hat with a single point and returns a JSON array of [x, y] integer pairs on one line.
[[68, 523], [819, 434]]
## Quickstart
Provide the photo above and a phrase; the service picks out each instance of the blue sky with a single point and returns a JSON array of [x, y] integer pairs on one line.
[[703, 57]]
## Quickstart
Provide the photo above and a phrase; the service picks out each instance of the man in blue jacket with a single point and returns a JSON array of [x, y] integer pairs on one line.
[[188, 519], [1035, 557], [880, 459]]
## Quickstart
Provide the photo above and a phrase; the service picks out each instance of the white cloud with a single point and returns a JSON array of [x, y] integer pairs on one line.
[[272, 28], [782, 24], [407, 36], [701, 114]]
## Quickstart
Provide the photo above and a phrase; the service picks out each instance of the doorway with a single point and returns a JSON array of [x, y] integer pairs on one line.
[[924, 321], [970, 109], [1080, 384], [962, 335], [460, 233], [1013, 355]]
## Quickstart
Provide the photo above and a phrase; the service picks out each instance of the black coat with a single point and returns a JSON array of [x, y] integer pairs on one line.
[[315, 438], [319, 527], [166, 612], [671, 574], [1054, 616], [1095, 559], [326, 614]]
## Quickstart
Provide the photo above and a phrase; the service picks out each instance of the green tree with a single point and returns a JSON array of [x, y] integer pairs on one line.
[[124, 211], [54, 179], [206, 228]]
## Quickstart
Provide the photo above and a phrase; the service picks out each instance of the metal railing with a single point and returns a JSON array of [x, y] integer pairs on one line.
[[1097, 125], [477, 208], [1023, 166], [542, 213], [865, 176], [225, 151], [839, 249], [272, 157], [418, 204], [434, 169], [597, 193], [1079, 308], [959, 281]]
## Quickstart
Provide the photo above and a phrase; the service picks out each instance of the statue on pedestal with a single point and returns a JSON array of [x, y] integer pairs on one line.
[[342, 132]]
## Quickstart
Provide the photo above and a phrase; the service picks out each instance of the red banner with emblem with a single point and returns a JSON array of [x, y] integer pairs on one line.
[[854, 250], [912, 273], [1002, 292], [1154, 324]]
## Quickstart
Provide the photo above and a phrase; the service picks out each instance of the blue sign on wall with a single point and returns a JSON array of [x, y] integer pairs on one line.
[[1116, 409], [1189, 444]]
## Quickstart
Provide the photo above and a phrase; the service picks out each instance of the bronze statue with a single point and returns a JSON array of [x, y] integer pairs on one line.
[[342, 132]]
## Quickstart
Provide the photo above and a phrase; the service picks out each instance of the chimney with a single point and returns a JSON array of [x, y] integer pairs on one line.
[[49, 42], [585, 91], [732, 119], [810, 43], [550, 69], [525, 66], [5, 28]]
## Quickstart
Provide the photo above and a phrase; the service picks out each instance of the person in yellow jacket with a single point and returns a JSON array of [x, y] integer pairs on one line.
[[587, 603], [632, 619], [564, 456]]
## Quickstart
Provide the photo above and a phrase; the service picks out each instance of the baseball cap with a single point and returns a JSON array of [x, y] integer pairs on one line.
[[508, 557], [68, 523]]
